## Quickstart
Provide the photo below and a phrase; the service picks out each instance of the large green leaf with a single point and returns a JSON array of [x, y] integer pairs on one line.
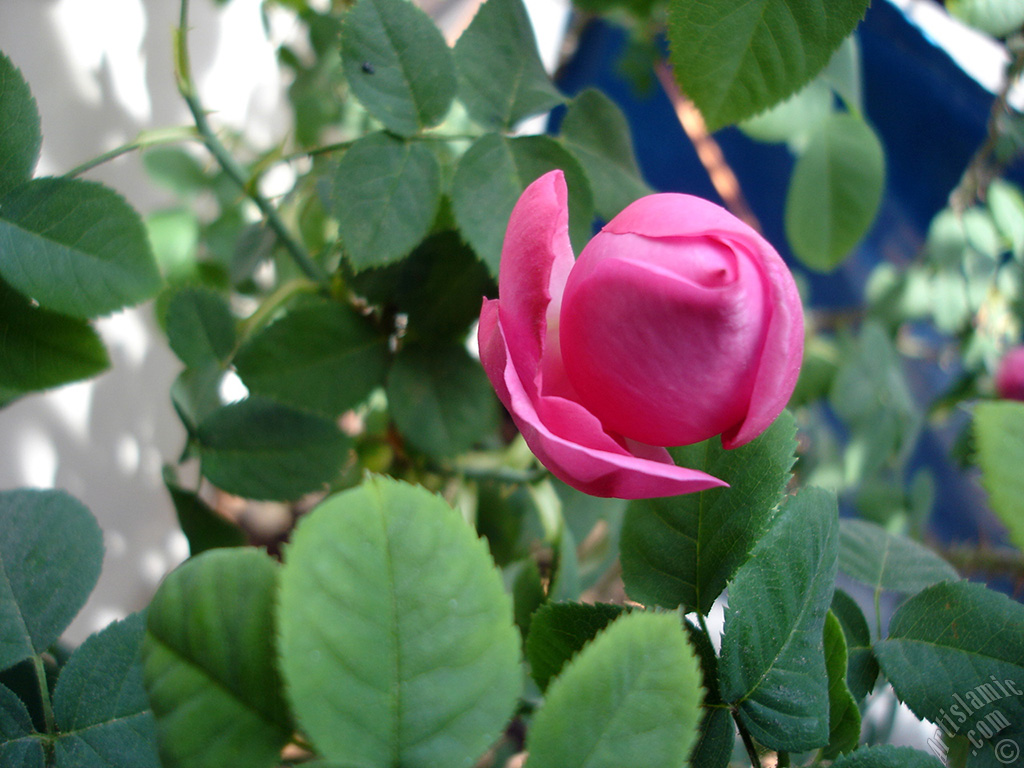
[[631, 697], [560, 630], [51, 551], [100, 706], [261, 450], [321, 356], [874, 557], [999, 436], [737, 57], [20, 747], [955, 655], [397, 64], [597, 133], [861, 666], [75, 246], [440, 399], [209, 664], [835, 191], [385, 195], [501, 77], [200, 327], [887, 756], [43, 349], [683, 550], [20, 137], [773, 665], [843, 715], [396, 635]]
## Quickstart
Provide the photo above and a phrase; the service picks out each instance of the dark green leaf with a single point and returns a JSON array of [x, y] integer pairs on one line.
[[955, 656], [528, 594], [493, 174], [735, 57], [19, 746], [440, 399], [596, 131], [843, 715], [886, 562], [200, 327], [20, 136], [717, 734], [261, 450], [320, 356], [42, 349], [398, 64], [886, 756], [100, 707], [202, 526], [559, 630], [999, 436], [396, 635], [683, 550], [861, 666], [631, 697], [75, 246], [772, 665], [385, 196], [51, 551], [835, 191], [501, 77], [209, 663], [195, 394]]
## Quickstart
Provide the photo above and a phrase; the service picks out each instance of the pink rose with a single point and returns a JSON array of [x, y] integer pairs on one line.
[[1010, 376], [677, 323]]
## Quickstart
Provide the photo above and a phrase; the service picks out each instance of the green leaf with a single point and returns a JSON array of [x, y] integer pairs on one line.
[[527, 594], [100, 706], [886, 562], [683, 550], [42, 349], [886, 756], [19, 745], [176, 170], [501, 77], [261, 450], [1006, 205], [835, 191], [596, 132], [76, 247], [20, 137], [717, 735], [772, 665], [397, 64], [861, 666], [955, 656], [843, 715], [559, 630], [202, 526], [736, 57], [999, 18], [209, 663], [320, 356], [493, 174], [396, 635], [51, 551], [200, 327], [999, 436], [385, 195], [631, 697], [440, 399], [794, 120]]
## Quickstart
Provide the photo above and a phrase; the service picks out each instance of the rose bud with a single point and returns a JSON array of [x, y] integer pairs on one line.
[[1010, 375], [678, 323]]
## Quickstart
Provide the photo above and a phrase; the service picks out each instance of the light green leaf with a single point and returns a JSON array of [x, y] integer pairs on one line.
[[76, 247], [396, 635], [20, 136], [874, 557], [734, 58], [320, 356], [397, 64], [51, 550], [886, 756], [835, 191], [558, 631], [493, 174], [99, 705], [1006, 205], [385, 196], [999, 435], [209, 666], [772, 665], [501, 77], [862, 666], [794, 120], [175, 169], [631, 697], [955, 656], [261, 450], [683, 550], [843, 715], [998, 18], [200, 327]]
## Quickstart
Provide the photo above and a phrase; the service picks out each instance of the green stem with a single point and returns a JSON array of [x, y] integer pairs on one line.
[[44, 693], [265, 311], [186, 87], [748, 740], [146, 139]]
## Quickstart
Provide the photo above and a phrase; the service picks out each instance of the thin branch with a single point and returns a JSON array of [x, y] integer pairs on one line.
[[146, 139], [748, 741]]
